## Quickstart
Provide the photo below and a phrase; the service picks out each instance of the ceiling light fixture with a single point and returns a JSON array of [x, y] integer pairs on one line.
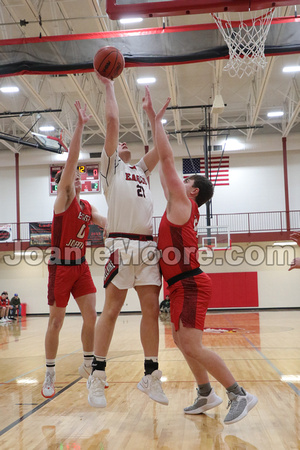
[[9, 89], [146, 80], [290, 69], [131, 20], [275, 114], [47, 128], [232, 144], [163, 121]]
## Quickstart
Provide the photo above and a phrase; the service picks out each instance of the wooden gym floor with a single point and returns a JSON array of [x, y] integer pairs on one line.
[[261, 348]]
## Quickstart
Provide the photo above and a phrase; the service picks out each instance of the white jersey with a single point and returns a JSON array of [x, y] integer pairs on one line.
[[129, 199]]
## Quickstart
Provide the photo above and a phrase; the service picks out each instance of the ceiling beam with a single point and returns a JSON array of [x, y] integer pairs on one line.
[[258, 98], [92, 110], [171, 79], [74, 81], [217, 87], [172, 84], [262, 86]]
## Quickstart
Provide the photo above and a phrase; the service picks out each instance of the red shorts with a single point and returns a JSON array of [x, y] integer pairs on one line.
[[66, 280], [189, 299]]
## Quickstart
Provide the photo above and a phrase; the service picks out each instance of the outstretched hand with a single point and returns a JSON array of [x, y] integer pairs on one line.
[[83, 117], [147, 102], [295, 264], [296, 237], [104, 80], [161, 113]]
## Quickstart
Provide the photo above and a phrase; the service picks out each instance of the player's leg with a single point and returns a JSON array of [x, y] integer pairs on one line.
[[2, 310], [190, 343], [206, 397], [114, 300], [148, 296], [7, 314], [87, 306], [149, 332], [55, 322]]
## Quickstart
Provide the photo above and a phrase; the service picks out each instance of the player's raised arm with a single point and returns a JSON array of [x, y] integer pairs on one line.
[[111, 116], [66, 187], [151, 158], [179, 206]]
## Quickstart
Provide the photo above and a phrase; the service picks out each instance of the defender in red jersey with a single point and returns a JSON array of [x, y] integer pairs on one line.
[[69, 272], [190, 289]]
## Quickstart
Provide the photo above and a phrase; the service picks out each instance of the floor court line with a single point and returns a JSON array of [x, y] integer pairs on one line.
[[29, 413]]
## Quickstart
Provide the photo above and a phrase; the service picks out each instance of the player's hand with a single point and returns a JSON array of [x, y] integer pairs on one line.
[[296, 237], [161, 113], [83, 117], [104, 80], [295, 264], [147, 102]]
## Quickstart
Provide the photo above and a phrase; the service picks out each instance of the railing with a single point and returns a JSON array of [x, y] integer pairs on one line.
[[237, 223], [255, 222]]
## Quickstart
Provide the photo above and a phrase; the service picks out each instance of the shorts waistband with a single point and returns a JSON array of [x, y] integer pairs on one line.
[[134, 237], [66, 262], [183, 275]]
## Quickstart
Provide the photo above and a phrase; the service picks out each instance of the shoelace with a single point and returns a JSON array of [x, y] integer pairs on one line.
[[233, 401], [156, 383], [49, 379], [97, 386]]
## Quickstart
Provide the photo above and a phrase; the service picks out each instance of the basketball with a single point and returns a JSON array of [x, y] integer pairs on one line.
[[109, 62]]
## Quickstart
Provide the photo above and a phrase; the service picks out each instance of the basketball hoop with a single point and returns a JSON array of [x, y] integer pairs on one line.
[[246, 42]]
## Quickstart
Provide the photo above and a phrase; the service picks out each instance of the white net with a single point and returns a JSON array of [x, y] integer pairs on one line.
[[214, 237], [246, 42]]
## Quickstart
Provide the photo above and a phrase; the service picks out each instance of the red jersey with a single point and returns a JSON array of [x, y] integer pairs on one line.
[[178, 245], [70, 231]]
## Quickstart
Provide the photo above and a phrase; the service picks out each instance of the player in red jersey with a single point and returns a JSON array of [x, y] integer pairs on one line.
[[5, 308], [69, 272], [190, 288]]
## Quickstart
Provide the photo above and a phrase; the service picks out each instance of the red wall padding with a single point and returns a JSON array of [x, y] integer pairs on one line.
[[233, 290]]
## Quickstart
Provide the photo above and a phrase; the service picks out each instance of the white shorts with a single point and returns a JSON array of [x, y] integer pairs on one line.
[[132, 263]]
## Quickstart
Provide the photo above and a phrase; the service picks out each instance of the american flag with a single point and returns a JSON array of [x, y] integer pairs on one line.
[[218, 172]]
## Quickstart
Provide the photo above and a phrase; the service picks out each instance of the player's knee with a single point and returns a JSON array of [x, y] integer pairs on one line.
[[90, 318], [113, 311], [56, 323]]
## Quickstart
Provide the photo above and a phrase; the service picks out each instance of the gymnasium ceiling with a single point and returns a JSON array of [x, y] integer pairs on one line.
[[248, 100]]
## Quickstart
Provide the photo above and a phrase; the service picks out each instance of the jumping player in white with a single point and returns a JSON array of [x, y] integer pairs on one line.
[[129, 229]]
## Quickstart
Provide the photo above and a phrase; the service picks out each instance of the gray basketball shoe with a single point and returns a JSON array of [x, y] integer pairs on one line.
[[239, 406], [202, 404]]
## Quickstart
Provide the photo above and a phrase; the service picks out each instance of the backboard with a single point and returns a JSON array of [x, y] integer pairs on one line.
[[51, 142], [214, 237]]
